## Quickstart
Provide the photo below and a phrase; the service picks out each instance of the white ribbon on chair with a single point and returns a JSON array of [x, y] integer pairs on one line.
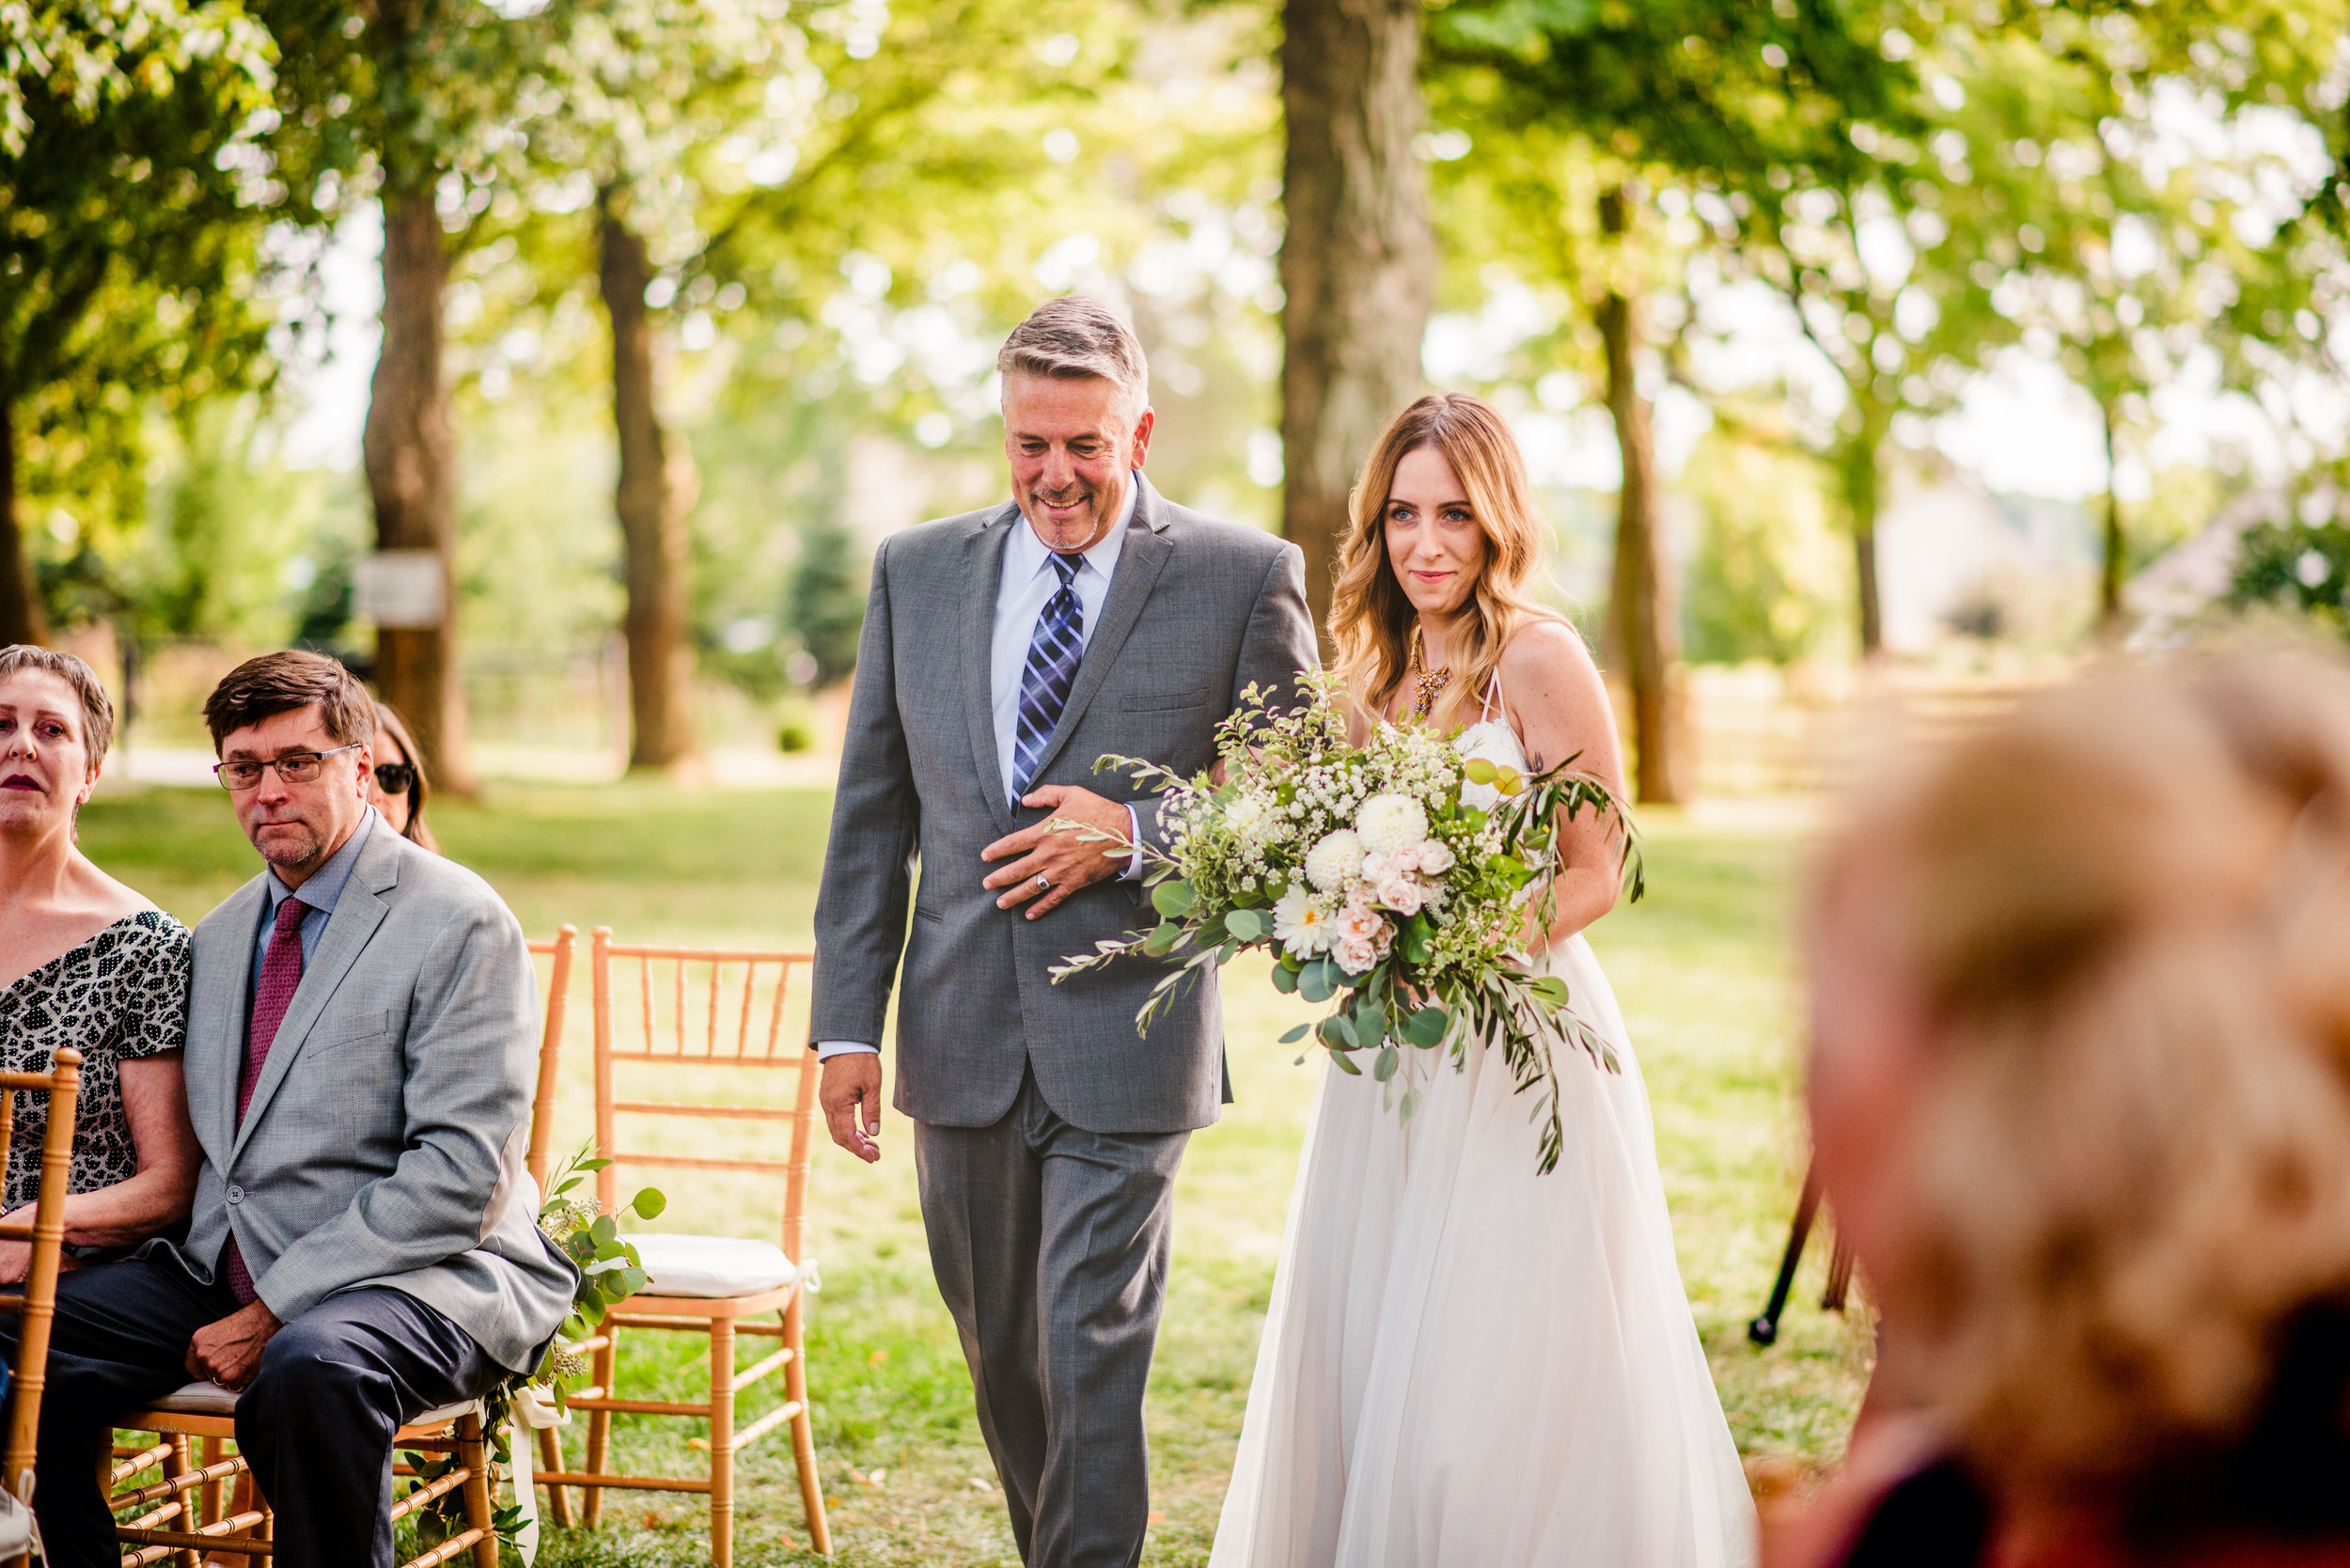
[[533, 1412]]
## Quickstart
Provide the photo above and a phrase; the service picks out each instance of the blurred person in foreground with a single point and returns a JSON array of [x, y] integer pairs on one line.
[[396, 787], [362, 1034], [2081, 1037], [89, 962]]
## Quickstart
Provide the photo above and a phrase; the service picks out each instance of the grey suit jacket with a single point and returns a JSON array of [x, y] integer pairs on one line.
[[385, 1138], [1197, 610]]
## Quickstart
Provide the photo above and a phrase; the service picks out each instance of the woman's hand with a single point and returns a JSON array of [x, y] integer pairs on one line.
[[16, 1257]]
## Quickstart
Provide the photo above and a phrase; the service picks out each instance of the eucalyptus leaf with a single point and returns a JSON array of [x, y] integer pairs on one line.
[[649, 1203], [1162, 939], [1551, 988], [1426, 1027], [1346, 1065], [1336, 1032], [1479, 771], [1285, 980], [603, 1232], [1315, 982], [1246, 925], [1382, 1066], [1173, 899], [1297, 1034]]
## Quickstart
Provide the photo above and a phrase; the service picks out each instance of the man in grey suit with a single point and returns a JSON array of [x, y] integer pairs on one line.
[[1003, 651], [362, 1035]]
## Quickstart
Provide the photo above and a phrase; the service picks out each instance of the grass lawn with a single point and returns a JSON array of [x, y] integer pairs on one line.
[[1701, 969]]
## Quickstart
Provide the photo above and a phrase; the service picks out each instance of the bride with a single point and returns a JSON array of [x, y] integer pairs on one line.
[[1466, 1364]]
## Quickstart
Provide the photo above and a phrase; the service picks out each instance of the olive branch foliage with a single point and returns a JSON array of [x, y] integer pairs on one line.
[[608, 1273]]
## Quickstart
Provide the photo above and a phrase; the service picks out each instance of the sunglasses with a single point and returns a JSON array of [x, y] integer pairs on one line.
[[395, 778]]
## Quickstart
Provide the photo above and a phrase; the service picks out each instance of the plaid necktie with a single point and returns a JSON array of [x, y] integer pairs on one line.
[[272, 994], [1053, 654]]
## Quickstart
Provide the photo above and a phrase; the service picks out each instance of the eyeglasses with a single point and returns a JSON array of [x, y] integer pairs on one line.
[[295, 767], [395, 778]]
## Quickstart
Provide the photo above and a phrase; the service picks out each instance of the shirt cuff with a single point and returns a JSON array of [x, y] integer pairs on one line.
[[1134, 836], [827, 1049]]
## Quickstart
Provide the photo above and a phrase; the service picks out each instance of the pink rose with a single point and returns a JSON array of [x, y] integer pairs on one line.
[[1363, 933], [1434, 858], [1400, 893]]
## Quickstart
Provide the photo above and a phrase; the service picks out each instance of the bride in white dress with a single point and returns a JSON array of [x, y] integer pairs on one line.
[[1466, 1364]]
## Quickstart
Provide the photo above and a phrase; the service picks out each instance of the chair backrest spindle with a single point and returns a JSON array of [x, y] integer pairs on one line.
[[699, 1043], [551, 1049], [63, 1084]]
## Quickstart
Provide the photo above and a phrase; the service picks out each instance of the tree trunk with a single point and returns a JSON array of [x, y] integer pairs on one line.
[[1863, 495], [21, 618], [2116, 563], [1640, 619], [651, 499], [412, 477], [1358, 262]]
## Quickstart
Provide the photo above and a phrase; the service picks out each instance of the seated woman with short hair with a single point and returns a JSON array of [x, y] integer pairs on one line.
[[89, 962], [2080, 1099]]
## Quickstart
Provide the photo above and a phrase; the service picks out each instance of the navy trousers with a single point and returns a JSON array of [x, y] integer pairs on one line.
[[316, 1423]]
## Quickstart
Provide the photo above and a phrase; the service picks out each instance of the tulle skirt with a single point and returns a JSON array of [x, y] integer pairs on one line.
[[1468, 1365]]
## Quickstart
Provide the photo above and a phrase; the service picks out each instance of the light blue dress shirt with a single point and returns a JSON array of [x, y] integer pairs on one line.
[[1027, 585], [320, 891]]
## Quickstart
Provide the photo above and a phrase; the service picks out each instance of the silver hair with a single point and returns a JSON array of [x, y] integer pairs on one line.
[[1077, 336]]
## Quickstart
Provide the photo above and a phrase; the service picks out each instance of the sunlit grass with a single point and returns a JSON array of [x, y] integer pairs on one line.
[[1701, 967]]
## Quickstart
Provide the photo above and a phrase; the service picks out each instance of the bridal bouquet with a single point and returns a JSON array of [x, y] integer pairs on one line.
[[1398, 879]]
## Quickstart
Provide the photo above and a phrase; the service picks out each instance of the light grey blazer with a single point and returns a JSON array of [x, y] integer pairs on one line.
[[385, 1138], [1197, 610]]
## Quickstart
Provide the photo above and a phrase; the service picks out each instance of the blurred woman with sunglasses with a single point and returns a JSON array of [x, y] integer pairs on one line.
[[398, 789]]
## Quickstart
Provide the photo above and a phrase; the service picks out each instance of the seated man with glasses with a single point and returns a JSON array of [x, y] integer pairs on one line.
[[362, 1037]]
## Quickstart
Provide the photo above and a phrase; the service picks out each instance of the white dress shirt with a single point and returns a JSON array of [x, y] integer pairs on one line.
[[1027, 585]]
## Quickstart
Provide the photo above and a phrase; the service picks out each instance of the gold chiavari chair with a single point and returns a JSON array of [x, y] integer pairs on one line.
[[36, 1305], [696, 1008]]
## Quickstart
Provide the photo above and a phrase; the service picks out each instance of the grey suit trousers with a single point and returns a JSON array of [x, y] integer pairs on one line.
[[1051, 1244]]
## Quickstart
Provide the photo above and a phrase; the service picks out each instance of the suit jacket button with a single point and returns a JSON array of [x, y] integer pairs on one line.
[[236, 1194]]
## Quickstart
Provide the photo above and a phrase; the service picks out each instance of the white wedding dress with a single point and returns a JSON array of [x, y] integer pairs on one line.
[[1469, 1365]]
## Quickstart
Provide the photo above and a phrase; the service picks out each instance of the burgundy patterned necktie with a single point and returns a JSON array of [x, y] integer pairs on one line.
[[272, 994]]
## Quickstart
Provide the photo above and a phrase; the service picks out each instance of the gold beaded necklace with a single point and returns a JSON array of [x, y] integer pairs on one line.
[[1426, 683]]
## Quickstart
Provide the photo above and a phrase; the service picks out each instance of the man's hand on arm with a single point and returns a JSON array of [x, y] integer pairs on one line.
[[851, 1093], [1067, 861], [229, 1351]]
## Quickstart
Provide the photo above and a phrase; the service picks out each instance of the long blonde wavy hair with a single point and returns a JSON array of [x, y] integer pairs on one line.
[[1372, 620]]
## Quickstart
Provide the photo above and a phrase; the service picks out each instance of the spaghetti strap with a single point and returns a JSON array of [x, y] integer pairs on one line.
[[1493, 696]]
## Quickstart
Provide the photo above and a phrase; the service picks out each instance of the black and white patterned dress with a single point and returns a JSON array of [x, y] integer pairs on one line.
[[121, 994]]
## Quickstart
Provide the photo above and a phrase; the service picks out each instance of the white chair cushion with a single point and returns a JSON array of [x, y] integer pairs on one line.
[[712, 1267], [211, 1399], [198, 1399]]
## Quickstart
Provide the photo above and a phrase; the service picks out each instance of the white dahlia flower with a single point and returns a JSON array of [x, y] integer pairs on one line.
[[1389, 823], [1303, 927], [1331, 864]]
